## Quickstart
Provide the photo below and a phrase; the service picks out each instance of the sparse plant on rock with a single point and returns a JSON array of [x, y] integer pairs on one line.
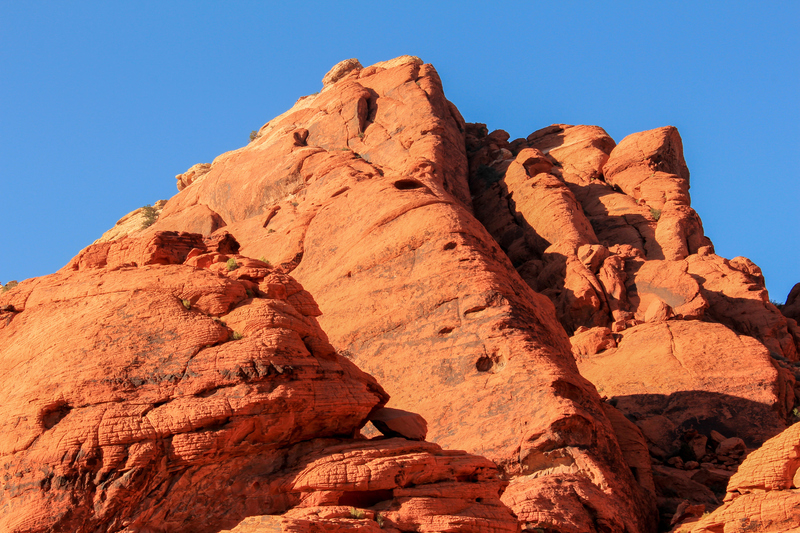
[[655, 213], [150, 216], [358, 514], [232, 264], [237, 336], [10, 285], [253, 135], [187, 304]]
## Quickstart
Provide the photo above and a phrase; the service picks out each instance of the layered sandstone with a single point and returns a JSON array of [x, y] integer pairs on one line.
[[166, 384], [679, 339], [764, 495]]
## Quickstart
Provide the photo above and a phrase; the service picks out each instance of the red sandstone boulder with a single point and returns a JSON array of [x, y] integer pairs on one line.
[[398, 423]]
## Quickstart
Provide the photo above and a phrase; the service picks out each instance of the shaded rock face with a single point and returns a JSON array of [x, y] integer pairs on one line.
[[166, 391], [361, 192]]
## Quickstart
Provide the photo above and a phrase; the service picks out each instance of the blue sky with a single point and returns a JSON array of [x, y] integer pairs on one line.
[[103, 103]]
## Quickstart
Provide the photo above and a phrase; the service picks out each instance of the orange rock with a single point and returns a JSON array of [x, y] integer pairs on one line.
[[763, 495], [128, 402], [396, 422], [649, 165], [195, 173], [592, 341], [791, 309], [675, 375], [737, 298], [361, 192]]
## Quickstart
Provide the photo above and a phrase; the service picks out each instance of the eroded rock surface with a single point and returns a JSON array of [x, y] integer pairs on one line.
[[361, 193], [473, 275], [149, 387], [764, 495]]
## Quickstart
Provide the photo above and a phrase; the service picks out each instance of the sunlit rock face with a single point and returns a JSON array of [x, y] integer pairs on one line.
[[550, 305]]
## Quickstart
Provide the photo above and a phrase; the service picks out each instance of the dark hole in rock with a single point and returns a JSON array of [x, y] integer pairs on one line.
[[405, 185], [53, 414], [449, 246], [484, 364], [445, 331], [366, 498]]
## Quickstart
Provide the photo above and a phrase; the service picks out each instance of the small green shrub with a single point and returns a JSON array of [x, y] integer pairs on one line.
[[150, 216], [232, 264], [358, 514], [655, 213], [265, 260], [237, 336], [796, 412], [295, 204], [187, 304], [270, 230], [253, 135], [380, 519], [249, 293]]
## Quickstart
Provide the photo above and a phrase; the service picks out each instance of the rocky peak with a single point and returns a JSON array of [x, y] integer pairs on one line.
[[549, 304]]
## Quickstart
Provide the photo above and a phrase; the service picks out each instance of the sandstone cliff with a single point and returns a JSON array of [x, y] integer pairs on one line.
[[550, 304]]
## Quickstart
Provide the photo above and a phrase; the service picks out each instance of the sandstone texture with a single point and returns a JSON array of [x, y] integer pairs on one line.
[[361, 192], [549, 304], [764, 495], [143, 392]]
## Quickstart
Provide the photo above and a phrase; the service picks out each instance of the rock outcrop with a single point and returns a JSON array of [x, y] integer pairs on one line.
[[361, 193], [548, 304], [764, 495], [157, 384]]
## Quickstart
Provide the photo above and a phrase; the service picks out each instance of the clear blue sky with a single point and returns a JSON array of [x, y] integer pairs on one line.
[[103, 103]]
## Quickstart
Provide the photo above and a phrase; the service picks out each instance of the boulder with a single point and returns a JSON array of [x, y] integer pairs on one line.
[[398, 423]]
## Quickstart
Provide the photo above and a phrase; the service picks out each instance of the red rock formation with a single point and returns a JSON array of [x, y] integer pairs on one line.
[[450, 263], [633, 289], [141, 394], [361, 192], [764, 495]]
